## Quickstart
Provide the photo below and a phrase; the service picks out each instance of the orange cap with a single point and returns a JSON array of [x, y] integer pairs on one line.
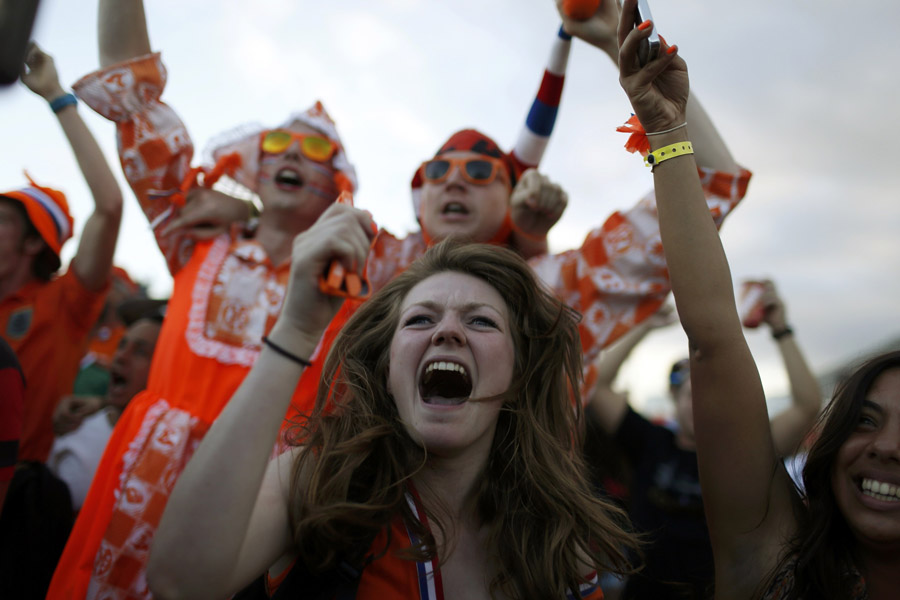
[[47, 210]]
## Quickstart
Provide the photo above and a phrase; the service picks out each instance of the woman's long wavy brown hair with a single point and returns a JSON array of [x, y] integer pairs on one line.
[[823, 545], [545, 526]]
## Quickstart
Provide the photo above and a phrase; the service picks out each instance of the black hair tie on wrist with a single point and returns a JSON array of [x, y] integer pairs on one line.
[[285, 353], [783, 332]]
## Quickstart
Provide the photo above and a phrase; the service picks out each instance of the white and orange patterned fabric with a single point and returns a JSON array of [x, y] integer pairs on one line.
[[227, 294]]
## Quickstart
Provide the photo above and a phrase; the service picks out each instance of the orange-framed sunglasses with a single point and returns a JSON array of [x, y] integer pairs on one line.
[[313, 146], [480, 171]]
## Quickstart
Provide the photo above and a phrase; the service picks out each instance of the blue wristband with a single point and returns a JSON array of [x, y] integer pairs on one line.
[[57, 104]]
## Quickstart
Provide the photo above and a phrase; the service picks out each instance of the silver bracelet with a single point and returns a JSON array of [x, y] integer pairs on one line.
[[669, 130]]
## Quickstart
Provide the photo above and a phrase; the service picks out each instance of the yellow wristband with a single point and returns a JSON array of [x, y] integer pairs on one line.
[[663, 154]]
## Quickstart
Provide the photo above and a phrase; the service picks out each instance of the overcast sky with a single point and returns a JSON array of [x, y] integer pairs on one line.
[[803, 92]]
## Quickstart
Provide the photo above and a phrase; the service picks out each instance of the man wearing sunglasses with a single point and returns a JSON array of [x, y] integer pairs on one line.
[[466, 193]]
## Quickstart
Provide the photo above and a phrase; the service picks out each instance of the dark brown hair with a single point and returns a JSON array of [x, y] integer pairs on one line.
[[823, 544], [46, 263]]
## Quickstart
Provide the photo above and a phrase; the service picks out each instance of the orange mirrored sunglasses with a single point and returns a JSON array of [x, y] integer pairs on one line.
[[312, 146], [480, 171]]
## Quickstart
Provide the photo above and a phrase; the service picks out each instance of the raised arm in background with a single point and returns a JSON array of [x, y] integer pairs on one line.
[[535, 205], [121, 31], [93, 259], [607, 405], [790, 426], [155, 149], [748, 508], [534, 216]]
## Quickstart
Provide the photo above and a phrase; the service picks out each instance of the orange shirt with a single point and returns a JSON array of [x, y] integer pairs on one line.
[[390, 576], [47, 325]]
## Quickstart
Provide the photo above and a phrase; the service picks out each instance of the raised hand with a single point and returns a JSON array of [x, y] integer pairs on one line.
[[598, 30], [208, 213], [342, 233], [72, 410], [658, 91], [774, 313], [537, 204], [39, 73]]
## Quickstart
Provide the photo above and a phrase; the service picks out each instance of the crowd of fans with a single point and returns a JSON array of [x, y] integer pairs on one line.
[[328, 409]]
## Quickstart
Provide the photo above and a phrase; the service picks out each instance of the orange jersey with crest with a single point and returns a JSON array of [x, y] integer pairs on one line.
[[47, 325]]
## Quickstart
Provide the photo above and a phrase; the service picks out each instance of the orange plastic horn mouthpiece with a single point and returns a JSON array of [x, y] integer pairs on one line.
[[336, 280]]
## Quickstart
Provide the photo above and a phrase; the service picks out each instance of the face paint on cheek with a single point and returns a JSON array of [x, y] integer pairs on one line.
[[321, 191], [325, 171], [267, 159], [322, 169]]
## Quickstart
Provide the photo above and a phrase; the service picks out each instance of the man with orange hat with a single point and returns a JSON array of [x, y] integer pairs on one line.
[[46, 318]]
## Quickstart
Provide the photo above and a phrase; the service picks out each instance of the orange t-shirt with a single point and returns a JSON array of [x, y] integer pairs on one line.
[[47, 325]]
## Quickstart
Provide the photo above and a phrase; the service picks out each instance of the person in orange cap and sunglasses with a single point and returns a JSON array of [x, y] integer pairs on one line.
[[46, 319]]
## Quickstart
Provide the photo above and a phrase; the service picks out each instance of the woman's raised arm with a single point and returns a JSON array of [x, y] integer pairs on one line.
[[227, 518], [747, 503]]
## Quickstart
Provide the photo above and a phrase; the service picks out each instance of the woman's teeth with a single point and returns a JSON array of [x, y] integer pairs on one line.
[[445, 382], [881, 490], [446, 366]]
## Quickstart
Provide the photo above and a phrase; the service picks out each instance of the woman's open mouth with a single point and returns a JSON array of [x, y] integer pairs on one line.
[[445, 383]]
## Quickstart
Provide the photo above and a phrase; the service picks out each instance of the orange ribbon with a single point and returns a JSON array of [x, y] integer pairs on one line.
[[637, 141], [227, 165]]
